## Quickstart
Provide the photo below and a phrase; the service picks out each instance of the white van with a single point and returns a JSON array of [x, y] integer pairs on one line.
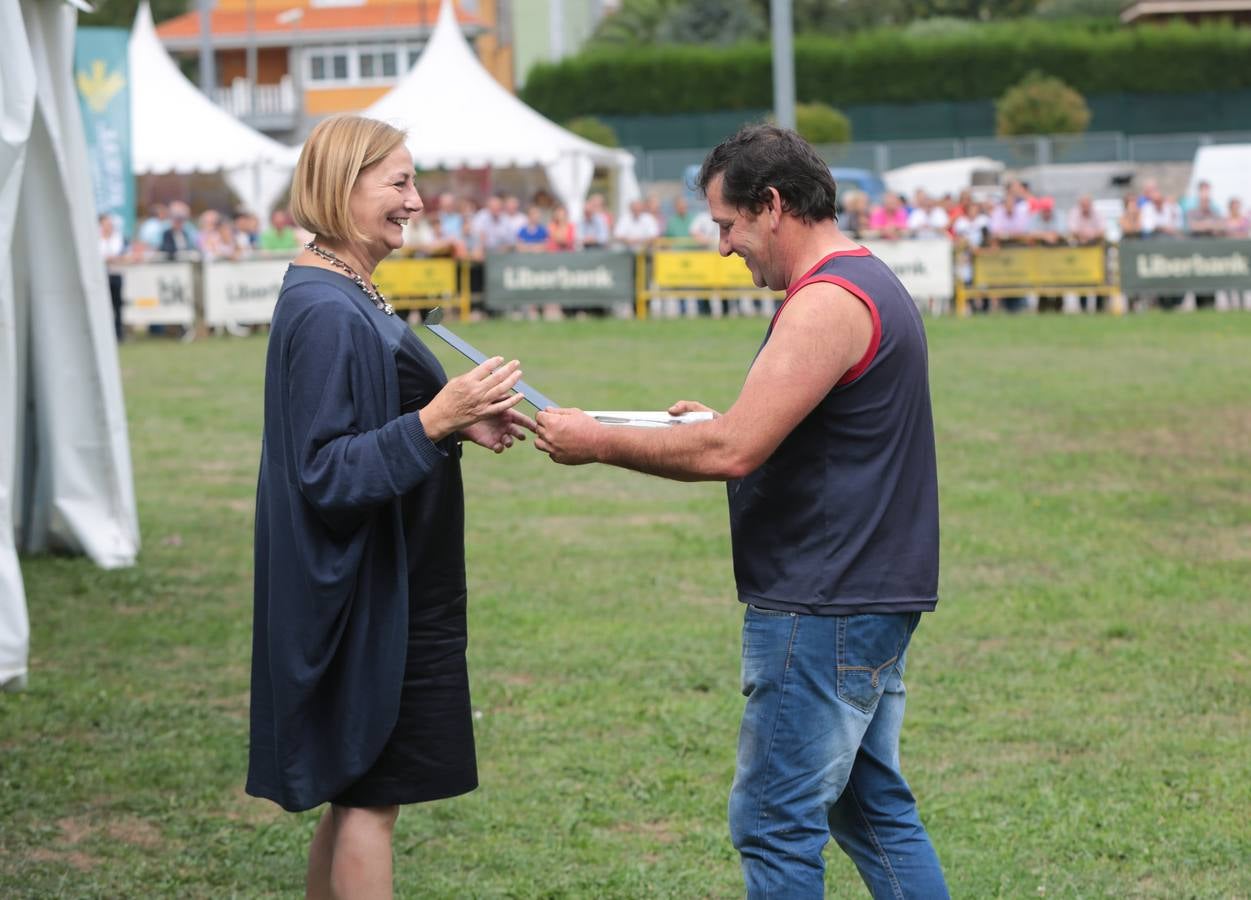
[[1227, 167]]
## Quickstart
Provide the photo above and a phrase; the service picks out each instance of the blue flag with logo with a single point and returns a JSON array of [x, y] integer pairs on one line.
[[102, 77]]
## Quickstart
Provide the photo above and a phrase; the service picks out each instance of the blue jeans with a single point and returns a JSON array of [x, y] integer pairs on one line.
[[818, 756]]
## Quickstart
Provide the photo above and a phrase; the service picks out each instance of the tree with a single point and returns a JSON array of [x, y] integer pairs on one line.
[[718, 22], [1041, 104], [642, 22], [845, 16], [597, 131], [818, 123], [635, 22]]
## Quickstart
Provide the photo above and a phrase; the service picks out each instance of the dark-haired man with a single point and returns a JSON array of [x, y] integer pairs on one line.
[[829, 455]]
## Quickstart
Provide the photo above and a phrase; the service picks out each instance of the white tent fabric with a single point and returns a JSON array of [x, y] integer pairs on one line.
[[65, 471], [175, 128], [456, 114], [17, 108]]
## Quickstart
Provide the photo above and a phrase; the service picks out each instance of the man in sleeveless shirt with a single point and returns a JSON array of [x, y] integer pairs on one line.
[[828, 453]]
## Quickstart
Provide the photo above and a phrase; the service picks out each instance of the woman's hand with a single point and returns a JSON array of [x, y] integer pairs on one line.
[[481, 393], [498, 432]]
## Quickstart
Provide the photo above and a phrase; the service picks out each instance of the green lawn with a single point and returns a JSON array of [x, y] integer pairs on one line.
[[1080, 703]]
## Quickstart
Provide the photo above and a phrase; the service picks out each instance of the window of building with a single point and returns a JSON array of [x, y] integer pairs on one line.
[[378, 63], [363, 64], [328, 65]]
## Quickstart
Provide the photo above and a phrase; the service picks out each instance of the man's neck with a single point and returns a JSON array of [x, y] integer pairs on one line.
[[812, 243]]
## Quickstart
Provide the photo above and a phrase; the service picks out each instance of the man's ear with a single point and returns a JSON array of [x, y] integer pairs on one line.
[[774, 207]]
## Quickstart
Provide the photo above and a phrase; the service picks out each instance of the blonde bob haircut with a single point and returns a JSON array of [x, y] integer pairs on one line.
[[336, 152]]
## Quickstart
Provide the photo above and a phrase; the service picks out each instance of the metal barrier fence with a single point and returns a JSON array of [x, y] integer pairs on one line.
[[939, 276], [1016, 152]]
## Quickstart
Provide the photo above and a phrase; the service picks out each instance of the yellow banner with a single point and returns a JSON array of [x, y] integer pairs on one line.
[[699, 269], [408, 278], [1038, 267]]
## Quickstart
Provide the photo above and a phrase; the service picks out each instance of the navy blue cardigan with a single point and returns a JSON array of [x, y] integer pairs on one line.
[[331, 585]]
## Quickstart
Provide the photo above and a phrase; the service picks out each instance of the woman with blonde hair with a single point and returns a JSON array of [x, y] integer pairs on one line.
[[360, 695]]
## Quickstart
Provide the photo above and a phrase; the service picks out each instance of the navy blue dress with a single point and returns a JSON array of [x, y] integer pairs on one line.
[[359, 691], [430, 754]]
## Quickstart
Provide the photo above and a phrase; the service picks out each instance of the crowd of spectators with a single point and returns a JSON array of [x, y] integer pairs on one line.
[[169, 232], [1018, 216], [459, 228]]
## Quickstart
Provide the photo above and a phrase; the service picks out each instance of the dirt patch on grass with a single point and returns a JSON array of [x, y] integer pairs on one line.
[[514, 679], [1213, 544], [73, 830], [134, 831], [1188, 438], [661, 832], [83, 862], [249, 810]]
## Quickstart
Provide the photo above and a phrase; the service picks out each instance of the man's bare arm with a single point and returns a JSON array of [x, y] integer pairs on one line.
[[822, 333]]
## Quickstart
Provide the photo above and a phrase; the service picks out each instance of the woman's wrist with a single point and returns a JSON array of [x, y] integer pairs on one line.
[[435, 426]]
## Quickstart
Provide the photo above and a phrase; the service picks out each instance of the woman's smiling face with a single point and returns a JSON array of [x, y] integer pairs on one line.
[[384, 198]]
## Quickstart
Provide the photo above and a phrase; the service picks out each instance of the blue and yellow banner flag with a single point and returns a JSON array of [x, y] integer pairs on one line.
[[102, 77]]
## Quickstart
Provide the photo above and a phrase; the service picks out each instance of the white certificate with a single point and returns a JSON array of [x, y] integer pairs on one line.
[[645, 419]]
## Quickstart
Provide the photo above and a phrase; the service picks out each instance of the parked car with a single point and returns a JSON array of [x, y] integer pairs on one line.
[[860, 179]]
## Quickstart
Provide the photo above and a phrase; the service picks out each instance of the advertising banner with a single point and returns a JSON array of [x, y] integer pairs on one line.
[[701, 269], [158, 294], [402, 279], [1201, 265], [923, 265], [242, 293], [1010, 267], [588, 278], [103, 80]]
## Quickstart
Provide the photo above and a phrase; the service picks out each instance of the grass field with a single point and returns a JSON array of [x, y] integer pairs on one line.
[[1079, 706]]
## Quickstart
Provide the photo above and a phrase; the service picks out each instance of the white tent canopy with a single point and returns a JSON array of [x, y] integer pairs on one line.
[[457, 115], [65, 473], [175, 128]]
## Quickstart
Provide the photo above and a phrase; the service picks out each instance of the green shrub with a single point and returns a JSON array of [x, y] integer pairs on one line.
[[1041, 104], [594, 130], [887, 66], [818, 123]]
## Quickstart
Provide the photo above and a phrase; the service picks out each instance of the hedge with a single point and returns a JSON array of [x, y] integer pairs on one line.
[[886, 66]]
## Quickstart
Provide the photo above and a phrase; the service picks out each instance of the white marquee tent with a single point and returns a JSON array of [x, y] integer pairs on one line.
[[65, 471], [457, 115], [175, 128]]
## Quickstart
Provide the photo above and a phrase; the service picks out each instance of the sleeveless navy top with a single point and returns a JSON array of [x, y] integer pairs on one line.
[[842, 518]]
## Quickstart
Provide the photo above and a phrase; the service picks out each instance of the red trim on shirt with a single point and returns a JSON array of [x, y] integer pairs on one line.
[[807, 278], [875, 340]]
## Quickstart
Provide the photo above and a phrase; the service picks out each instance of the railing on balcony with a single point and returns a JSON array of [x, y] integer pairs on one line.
[[269, 106]]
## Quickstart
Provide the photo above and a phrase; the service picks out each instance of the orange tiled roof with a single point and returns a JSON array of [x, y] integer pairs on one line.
[[372, 16]]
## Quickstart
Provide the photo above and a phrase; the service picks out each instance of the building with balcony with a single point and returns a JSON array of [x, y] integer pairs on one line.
[[282, 65]]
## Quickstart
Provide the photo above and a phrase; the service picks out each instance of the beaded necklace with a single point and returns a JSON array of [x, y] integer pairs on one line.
[[372, 293]]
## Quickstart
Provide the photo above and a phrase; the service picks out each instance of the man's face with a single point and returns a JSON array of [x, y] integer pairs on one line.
[[747, 235]]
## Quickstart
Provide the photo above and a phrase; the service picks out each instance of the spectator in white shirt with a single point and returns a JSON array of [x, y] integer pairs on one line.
[[1161, 216], [1085, 226], [595, 229], [637, 228], [490, 230], [927, 219], [513, 215], [113, 248]]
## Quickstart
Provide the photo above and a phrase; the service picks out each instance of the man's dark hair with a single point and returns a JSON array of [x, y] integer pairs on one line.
[[759, 157]]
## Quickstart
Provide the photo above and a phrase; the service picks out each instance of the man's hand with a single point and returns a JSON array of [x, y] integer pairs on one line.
[[687, 406], [498, 432], [567, 435]]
